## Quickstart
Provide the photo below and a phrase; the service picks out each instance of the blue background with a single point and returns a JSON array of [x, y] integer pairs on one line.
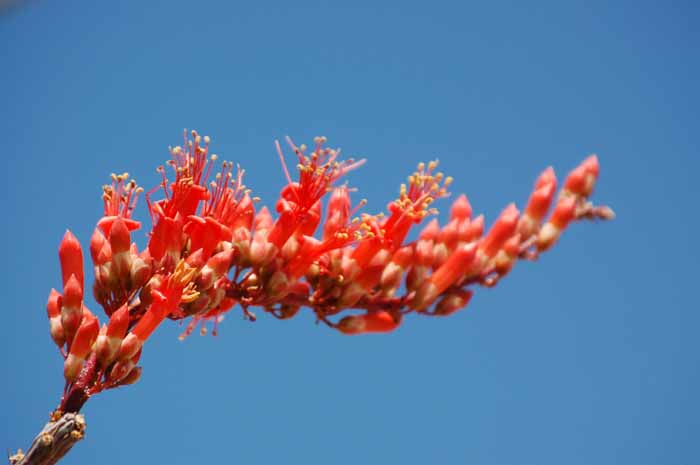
[[588, 356]]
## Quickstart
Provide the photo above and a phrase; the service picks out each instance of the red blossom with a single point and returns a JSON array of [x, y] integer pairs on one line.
[[210, 252]]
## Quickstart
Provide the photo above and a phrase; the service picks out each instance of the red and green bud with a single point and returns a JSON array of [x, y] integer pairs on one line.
[[139, 273], [53, 309], [392, 274], [501, 231], [109, 341], [81, 347], [97, 242], [72, 307], [460, 263], [373, 322], [563, 214], [71, 257], [452, 302], [507, 256]]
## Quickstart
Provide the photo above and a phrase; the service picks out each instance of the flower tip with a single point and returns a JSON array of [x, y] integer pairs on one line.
[[510, 213], [119, 322], [53, 306], [461, 208], [592, 165], [546, 177], [606, 213], [72, 292], [430, 231]]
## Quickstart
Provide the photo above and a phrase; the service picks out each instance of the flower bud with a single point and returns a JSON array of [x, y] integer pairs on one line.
[[119, 237], [71, 257], [120, 244], [393, 272], [452, 302], [71, 309], [372, 322], [277, 285], [80, 347], [563, 214], [539, 201], [97, 241], [501, 231], [120, 370], [506, 257], [460, 263], [352, 293], [131, 378], [53, 309], [139, 272], [108, 343]]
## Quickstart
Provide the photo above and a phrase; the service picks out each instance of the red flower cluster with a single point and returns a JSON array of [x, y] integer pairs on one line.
[[209, 250]]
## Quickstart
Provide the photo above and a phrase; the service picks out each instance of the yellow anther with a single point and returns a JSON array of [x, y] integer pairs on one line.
[[214, 157], [432, 165], [421, 166], [206, 139], [448, 180]]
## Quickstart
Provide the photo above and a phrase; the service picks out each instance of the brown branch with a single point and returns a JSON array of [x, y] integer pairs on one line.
[[54, 441]]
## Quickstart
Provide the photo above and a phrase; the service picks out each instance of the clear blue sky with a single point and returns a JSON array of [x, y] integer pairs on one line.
[[588, 356]]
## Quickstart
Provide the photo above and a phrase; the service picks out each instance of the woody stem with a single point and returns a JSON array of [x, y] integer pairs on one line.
[[54, 441]]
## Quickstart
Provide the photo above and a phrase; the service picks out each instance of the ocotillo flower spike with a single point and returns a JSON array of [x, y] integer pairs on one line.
[[211, 249]]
